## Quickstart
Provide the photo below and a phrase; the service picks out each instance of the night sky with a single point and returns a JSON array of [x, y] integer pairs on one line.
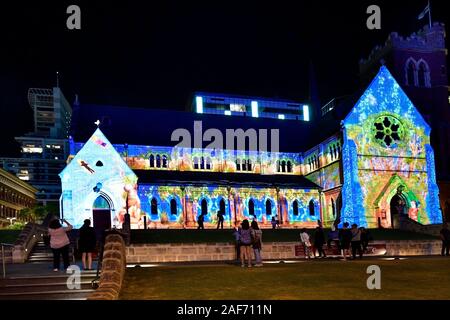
[[153, 54]]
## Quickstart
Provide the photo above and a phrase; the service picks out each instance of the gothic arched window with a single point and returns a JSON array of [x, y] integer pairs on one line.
[[283, 166], [311, 208], [152, 161], [289, 166], [251, 207], [423, 75], [173, 207], [411, 73], [268, 207], [154, 206], [158, 161], [295, 208], [208, 163], [195, 163]]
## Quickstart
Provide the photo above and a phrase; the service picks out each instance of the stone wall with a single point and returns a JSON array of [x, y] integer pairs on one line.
[[188, 252], [113, 269], [413, 247]]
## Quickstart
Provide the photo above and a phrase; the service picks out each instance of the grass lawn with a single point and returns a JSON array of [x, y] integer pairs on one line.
[[269, 235], [418, 278], [9, 236]]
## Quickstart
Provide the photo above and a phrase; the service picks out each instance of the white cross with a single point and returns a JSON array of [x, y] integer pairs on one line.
[[97, 123]]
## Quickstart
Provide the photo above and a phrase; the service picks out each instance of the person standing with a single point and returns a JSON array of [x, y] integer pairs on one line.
[[219, 219], [356, 241], [333, 236], [319, 241], [59, 242], [345, 237], [200, 221], [274, 223], [237, 244], [365, 238], [257, 243], [445, 237], [245, 238], [86, 244], [304, 238]]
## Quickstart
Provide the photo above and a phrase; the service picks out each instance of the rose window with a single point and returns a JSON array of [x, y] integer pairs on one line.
[[388, 131]]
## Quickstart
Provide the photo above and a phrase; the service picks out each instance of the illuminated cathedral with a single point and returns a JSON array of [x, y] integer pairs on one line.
[[367, 163]]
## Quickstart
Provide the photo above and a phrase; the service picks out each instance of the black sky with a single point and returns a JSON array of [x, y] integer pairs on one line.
[[155, 53]]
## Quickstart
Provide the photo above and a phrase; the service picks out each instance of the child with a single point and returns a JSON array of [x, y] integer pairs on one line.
[[304, 238]]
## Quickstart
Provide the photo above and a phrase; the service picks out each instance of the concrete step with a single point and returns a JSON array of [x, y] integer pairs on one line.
[[41, 254], [49, 295]]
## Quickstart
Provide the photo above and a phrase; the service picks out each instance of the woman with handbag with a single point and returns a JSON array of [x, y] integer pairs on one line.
[[59, 242]]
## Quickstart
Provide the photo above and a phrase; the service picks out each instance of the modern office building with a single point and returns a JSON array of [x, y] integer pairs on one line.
[[45, 150], [256, 107]]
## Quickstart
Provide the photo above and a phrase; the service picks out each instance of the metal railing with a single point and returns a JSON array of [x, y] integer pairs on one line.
[[3, 245]]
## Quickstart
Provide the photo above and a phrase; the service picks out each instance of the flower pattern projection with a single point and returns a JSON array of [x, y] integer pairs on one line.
[[388, 131]]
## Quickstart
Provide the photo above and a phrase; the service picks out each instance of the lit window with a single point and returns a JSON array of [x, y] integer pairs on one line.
[[306, 112], [281, 116], [255, 113], [237, 107], [31, 150], [227, 112], [199, 104]]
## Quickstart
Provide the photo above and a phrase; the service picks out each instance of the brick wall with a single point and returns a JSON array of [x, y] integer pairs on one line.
[[185, 252]]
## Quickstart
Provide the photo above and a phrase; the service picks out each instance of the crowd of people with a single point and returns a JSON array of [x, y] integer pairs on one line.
[[248, 240], [354, 238]]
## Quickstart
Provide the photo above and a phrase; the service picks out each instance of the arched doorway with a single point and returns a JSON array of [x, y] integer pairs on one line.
[[101, 214], [398, 207]]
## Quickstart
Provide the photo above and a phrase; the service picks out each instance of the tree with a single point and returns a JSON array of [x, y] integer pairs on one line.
[[33, 214]]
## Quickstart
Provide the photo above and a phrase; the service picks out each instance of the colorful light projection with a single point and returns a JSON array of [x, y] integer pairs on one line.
[[180, 206], [96, 171], [387, 146], [327, 177], [185, 159]]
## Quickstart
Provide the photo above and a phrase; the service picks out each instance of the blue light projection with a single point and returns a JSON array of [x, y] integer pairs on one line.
[[385, 137]]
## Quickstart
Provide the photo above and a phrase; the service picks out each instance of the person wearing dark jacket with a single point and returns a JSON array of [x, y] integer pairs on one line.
[[345, 238], [319, 241], [87, 243]]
